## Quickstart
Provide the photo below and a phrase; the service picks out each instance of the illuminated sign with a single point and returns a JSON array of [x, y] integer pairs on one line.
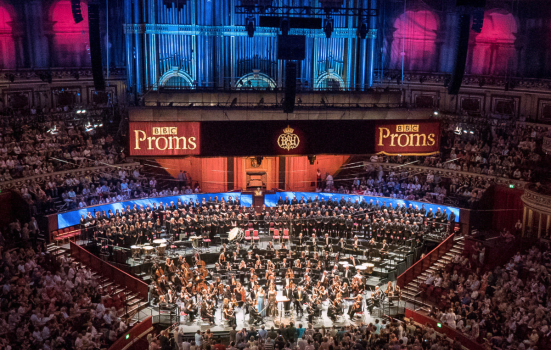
[[288, 140], [164, 138], [420, 138]]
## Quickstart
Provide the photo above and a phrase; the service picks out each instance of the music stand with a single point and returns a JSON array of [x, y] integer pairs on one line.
[[281, 299]]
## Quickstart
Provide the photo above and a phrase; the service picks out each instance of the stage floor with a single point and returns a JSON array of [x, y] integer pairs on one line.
[[343, 320]]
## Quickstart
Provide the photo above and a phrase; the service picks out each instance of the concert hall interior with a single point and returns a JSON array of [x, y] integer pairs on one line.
[[275, 174]]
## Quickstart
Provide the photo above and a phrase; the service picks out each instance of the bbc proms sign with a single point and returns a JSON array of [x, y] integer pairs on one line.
[[165, 138], [407, 138], [274, 138]]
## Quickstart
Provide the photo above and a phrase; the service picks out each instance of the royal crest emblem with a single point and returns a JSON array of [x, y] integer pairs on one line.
[[288, 140]]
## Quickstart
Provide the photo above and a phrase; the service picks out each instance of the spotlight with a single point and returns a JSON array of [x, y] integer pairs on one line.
[[472, 132], [328, 27], [78, 111], [259, 160], [312, 159], [457, 131], [435, 113], [250, 25], [464, 131]]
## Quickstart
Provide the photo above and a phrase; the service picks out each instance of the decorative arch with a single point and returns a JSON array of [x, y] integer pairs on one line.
[[71, 40], [176, 78], [329, 80], [255, 80], [7, 45], [493, 52], [415, 33]]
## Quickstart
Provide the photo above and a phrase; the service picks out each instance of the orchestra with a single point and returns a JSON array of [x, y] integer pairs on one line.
[[309, 270]]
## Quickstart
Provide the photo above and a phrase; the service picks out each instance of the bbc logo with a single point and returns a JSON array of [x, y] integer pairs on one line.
[[165, 130], [407, 128]]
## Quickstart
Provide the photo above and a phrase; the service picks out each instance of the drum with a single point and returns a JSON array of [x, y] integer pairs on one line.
[[194, 241], [161, 250], [148, 250], [158, 242], [135, 250], [236, 234], [369, 268]]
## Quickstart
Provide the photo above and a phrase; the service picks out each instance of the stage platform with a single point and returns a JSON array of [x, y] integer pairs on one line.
[[386, 267], [221, 326]]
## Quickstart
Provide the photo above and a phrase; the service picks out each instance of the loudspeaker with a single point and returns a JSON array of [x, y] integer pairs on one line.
[[290, 87], [77, 13], [291, 47], [461, 48], [95, 47]]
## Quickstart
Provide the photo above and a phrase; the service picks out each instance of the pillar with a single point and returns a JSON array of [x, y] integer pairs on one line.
[[129, 45], [138, 46], [530, 218], [539, 224], [371, 41], [524, 220]]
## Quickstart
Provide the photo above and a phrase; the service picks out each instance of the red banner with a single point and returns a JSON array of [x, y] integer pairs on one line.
[[407, 138], [165, 138]]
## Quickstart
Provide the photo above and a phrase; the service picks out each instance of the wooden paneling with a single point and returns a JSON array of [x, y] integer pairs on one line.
[[300, 175]]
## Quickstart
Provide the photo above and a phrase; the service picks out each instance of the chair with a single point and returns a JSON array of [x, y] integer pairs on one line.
[[248, 235], [276, 235], [286, 234], [255, 235], [271, 229]]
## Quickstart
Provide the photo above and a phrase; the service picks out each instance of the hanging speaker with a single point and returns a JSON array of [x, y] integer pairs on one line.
[[95, 47], [461, 48], [77, 13], [290, 86]]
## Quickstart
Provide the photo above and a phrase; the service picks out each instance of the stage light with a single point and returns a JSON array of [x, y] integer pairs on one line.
[[464, 131], [439, 325], [312, 159], [328, 27], [472, 132], [251, 26], [435, 113], [457, 130], [259, 160]]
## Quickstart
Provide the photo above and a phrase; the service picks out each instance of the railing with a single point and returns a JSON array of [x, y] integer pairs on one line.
[[449, 173], [448, 331], [93, 262], [79, 171], [134, 335], [423, 264]]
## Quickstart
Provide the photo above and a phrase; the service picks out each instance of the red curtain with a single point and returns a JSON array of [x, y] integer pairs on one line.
[[507, 208]]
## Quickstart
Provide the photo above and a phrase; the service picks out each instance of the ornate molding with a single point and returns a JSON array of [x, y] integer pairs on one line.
[[28, 75], [502, 181], [537, 201], [39, 179], [434, 78]]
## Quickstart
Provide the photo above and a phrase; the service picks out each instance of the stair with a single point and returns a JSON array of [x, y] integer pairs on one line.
[[412, 293], [134, 303]]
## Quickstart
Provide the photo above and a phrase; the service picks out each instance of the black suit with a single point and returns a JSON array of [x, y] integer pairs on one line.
[[288, 293], [299, 298]]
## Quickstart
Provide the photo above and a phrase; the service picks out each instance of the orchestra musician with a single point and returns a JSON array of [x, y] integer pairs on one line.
[[319, 219], [229, 313]]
